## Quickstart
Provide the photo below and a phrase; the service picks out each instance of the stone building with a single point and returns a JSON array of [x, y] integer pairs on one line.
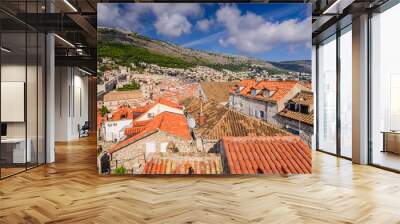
[[263, 99], [167, 132], [214, 121], [114, 99], [298, 116]]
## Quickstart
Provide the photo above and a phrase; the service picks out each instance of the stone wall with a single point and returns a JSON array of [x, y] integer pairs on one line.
[[133, 157], [253, 107], [306, 130]]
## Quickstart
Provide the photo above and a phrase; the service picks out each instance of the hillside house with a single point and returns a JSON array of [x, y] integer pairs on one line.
[[263, 99]]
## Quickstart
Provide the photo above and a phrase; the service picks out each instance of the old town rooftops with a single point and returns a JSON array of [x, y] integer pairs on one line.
[[221, 121], [267, 155], [167, 122], [184, 163], [126, 112], [269, 90]]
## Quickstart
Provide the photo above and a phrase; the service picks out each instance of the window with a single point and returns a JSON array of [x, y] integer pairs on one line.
[[253, 92], [150, 148], [293, 131], [385, 87], [266, 93], [163, 146], [327, 95], [304, 109], [261, 114], [238, 89], [346, 92], [292, 106]]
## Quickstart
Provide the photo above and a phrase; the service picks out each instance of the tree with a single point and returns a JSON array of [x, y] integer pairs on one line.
[[104, 110]]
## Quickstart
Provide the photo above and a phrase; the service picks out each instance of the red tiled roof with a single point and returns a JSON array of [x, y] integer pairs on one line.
[[221, 121], [134, 130], [246, 82], [165, 163], [123, 112], [217, 91], [280, 88], [141, 123], [305, 118], [100, 120], [307, 84], [171, 123], [167, 102], [142, 109], [268, 155], [161, 100], [302, 98]]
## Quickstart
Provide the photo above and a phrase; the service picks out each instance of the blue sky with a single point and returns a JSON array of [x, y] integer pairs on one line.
[[274, 32]]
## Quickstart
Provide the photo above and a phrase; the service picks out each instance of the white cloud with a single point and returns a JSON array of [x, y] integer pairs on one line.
[[204, 24], [170, 19], [252, 33], [172, 25], [110, 15]]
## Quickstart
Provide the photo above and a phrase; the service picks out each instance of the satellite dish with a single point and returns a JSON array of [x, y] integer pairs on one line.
[[192, 122]]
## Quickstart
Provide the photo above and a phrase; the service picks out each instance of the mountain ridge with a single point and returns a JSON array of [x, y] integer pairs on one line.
[[191, 56]]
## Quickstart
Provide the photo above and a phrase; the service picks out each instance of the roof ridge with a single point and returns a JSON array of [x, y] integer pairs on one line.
[[220, 120], [261, 121]]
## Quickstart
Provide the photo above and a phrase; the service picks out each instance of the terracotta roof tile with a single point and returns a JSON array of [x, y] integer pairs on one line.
[[221, 121], [217, 91], [305, 118], [180, 163], [279, 88], [303, 98], [124, 112], [268, 155], [307, 84], [123, 95], [171, 123], [134, 130], [167, 102], [163, 101], [100, 120]]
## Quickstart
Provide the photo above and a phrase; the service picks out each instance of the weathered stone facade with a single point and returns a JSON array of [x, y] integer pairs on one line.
[[306, 130], [262, 110], [133, 157]]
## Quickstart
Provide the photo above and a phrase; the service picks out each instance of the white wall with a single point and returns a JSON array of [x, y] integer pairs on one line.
[[158, 109], [71, 87], [115, 130]]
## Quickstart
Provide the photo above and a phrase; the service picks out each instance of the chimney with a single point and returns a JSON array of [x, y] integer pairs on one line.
[[202, 120]]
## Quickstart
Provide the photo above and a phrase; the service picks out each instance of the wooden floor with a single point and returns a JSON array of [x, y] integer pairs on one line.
[[70, 191], [387, 159]]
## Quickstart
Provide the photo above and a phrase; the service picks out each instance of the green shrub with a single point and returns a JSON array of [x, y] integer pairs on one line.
[[133, 86], [120, 170], [104, 110]]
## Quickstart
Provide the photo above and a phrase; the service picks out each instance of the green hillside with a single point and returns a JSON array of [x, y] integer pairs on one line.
[[127, 47], [126, 54]]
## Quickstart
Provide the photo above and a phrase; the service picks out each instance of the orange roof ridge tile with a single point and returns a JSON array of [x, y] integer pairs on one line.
[[276, 155], [167, 122]]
